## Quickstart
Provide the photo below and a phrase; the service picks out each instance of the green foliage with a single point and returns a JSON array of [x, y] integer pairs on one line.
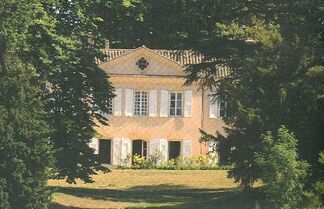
[[4, 204], [64, 47], [51, 92], [25, 149], [277, 80], [181, 163], [319, 185], [138, 162], [281, 171]]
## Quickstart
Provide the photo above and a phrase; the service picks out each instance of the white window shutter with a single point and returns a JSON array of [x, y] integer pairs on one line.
[[188, 104], [118, 102], [116, 151], [129, 102], [153, 103], [164, 149], [153, 146], [159, 145], [94, 144], [126, 148], [218, 108], [213, 107], [186, 148], [164, 106]]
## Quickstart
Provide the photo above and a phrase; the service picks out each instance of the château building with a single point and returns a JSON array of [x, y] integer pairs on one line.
[[153, 110]]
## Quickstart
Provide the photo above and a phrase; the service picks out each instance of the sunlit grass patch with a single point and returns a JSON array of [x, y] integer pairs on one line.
[[153, 189]]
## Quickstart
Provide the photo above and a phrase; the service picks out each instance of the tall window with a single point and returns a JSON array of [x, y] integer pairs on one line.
[[140, 103], [176, 104], [110, 106], [222, 108], [139, 148]]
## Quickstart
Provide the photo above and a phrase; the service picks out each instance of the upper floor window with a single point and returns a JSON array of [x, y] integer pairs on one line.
[[110, 106], [140, 103], [176, 104], [222, 108]]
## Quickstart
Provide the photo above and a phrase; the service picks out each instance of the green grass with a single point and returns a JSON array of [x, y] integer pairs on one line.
[[154, 189]]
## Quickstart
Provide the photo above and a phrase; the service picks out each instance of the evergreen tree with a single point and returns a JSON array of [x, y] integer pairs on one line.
[[25, 149], [278, 80]]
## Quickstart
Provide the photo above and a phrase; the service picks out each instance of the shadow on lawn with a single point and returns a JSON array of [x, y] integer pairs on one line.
[[176, 195]]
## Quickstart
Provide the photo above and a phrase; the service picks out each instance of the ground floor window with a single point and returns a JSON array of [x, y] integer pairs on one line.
[[105, 151], [139, 148], [174, 149]]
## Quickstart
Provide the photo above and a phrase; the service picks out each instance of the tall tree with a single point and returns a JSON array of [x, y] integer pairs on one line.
[[25, 148], [51, 93], [274, 53], [65, 47]]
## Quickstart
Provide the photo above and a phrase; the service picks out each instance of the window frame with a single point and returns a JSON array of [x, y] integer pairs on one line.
[[176, 103], [140, 103], [222, 107], [111, 106]]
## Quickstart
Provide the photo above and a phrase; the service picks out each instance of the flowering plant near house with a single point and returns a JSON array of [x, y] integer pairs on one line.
[[200, 162], [139, 160]]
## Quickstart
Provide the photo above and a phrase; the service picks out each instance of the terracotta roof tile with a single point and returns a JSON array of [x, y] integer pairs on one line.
[[182, 57]]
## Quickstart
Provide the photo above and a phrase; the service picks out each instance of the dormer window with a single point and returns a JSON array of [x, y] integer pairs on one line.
[[142, 63]]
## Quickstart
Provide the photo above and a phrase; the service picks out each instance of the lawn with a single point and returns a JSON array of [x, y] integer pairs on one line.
[[153, 189]]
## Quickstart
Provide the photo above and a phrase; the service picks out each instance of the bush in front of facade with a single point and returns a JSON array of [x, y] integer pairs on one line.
[[154, 161], [138, 162]]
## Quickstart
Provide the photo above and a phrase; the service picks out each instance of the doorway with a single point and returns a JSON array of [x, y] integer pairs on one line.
[[174, 149], [105, 151]]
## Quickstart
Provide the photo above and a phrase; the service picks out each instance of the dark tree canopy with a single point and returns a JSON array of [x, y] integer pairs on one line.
[[64, 45], [51, 93], [25, 148]]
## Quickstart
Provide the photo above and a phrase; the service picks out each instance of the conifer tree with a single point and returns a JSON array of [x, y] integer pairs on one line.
[[25, 149]]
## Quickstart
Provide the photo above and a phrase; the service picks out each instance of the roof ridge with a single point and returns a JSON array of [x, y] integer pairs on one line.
[[179, 56]]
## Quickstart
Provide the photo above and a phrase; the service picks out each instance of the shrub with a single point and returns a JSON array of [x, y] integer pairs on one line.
[[281, 171], [139, 162], [200, 162]]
